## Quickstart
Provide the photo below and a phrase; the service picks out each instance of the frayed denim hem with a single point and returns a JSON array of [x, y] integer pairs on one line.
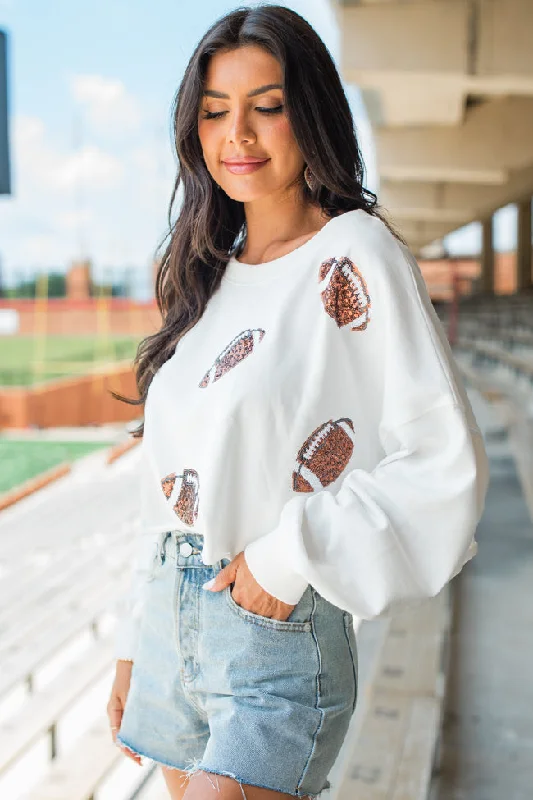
[[120, 742], [198, 767], [194, 765]]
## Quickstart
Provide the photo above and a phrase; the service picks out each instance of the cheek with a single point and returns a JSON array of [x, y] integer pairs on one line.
[[279, 139], [279, 130], [208, 140]]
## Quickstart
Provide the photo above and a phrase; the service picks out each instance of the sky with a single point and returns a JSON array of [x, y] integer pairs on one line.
[[90, 88]]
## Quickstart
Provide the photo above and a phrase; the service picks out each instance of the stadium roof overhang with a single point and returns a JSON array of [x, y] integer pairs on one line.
[[448, 86]]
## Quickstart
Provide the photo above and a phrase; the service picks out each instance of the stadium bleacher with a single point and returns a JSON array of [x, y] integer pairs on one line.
[[62, 556]]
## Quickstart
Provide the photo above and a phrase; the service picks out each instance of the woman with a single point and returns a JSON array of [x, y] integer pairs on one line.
[[309, 453]]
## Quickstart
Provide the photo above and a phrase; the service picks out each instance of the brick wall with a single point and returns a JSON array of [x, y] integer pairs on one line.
[[75, 401], [437, 274], [78, 280], [118, 316]]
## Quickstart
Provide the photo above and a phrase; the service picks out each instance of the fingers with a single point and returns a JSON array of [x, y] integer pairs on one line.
[[130, 754], [264, 605], [114, 713], [222, 578]]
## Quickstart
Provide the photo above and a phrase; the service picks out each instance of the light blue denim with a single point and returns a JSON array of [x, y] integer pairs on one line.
[[218, 688]]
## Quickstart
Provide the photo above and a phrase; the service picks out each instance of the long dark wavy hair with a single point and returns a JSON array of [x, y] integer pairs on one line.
[[210, 224]]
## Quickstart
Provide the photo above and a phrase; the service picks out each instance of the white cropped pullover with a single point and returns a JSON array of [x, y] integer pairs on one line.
[[314, 417]]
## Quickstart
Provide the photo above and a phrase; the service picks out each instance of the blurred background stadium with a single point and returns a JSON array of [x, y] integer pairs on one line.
[[442, 95]]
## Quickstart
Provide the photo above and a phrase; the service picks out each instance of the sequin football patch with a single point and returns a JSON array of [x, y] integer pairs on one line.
[[238, 349], [324, 455], [183, 493], [344, 293]]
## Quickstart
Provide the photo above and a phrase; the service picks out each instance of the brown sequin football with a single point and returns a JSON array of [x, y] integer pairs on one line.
[[239, 348], [183, 492], [324, 455], [345, 294]]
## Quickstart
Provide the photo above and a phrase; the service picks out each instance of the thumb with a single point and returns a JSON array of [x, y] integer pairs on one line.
[[221, 580]]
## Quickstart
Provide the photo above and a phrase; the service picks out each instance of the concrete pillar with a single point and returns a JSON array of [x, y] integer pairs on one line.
[[487, 256], [523, 246]]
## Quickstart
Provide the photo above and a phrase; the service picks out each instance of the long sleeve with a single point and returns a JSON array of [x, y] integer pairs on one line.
[[402, 530]]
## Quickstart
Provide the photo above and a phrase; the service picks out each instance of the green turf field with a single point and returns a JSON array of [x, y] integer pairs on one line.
[[25, 360], [21, 460]]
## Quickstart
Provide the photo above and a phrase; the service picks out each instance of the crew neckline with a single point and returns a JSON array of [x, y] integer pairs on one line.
[[241, 272]]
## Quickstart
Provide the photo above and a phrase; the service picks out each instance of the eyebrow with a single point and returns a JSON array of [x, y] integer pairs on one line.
[[253, 93]]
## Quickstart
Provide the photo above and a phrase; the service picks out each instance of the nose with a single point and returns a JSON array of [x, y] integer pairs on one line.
[[239, 129]]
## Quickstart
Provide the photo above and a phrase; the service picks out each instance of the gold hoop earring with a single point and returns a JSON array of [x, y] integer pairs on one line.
[[310, 179]]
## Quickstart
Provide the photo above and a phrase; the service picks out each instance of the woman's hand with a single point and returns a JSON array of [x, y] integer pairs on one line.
[[247, 593], [117, 703]]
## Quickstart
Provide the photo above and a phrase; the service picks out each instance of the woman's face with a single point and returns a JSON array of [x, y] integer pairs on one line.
[[250, 121]]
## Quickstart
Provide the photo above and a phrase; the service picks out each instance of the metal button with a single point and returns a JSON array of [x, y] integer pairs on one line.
[[185, 549]]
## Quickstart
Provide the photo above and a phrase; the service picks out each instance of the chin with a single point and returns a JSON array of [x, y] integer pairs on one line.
[[245, 195]]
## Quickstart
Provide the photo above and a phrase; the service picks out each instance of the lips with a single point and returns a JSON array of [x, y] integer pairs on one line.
[[244, 167], [244, 160]]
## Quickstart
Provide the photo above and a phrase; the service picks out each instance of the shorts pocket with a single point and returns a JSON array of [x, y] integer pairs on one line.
[[299, 620]]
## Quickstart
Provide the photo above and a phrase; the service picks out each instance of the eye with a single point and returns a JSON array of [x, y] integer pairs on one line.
[[216, 114], [275, 110]]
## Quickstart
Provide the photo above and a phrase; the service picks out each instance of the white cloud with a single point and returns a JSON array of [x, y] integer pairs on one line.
[[38, 163], [505, 228], [28, 134], [464, 241], [41, 250], [107, 204], [110, 109], [90, 166], [467, 240], [71, 220]]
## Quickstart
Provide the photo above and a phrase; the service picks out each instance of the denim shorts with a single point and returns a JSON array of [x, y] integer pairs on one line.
[[218, 688]]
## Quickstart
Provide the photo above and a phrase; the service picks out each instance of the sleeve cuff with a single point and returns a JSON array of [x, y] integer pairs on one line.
[[269, 557]]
